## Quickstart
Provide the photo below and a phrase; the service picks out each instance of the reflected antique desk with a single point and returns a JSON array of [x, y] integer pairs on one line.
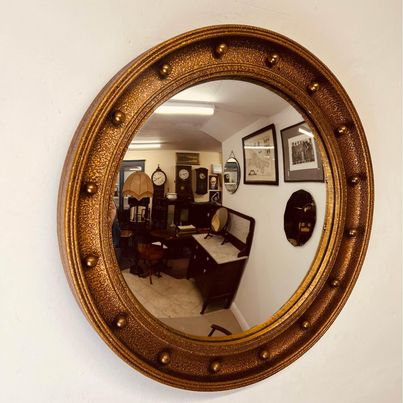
[[217, 267], [179, 245]]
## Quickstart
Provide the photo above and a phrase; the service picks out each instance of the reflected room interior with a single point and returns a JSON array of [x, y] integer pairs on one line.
[[204, 252]]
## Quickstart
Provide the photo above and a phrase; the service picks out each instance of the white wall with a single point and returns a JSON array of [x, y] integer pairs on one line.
[[167, 162], [55, 57], [275, 268]]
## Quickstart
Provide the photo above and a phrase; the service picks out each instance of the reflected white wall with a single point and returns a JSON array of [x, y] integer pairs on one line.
[[275, 268]]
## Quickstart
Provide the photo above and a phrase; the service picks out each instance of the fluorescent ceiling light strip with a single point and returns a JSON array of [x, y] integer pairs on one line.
[[146, 142], [137, 146], [176, 108], [303, 131]]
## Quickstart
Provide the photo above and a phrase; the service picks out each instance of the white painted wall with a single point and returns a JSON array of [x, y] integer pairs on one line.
[[275, 268], [167, 162], [55, 57]]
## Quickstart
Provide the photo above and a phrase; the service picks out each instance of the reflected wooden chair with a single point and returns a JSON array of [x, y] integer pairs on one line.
[[153, 257], [219, 328], [125, 242]]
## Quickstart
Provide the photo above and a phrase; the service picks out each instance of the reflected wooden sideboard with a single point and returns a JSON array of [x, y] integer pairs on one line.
[[217, 267]]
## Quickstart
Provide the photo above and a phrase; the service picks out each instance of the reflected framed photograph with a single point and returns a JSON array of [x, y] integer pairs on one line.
[[213, 182], [301, 155], [260, 157], [215, 196]]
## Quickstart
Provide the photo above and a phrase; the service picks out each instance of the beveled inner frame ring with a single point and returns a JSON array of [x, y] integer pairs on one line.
[[119, 111]]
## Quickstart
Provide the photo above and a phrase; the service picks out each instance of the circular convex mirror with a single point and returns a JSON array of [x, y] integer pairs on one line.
[[195, 279], [190, 307], [232, 174], [299, 217]]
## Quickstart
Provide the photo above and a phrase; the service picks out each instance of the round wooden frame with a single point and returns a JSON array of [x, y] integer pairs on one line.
[[119, 111]]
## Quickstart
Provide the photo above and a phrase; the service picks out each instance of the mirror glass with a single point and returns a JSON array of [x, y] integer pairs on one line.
[[219, 220], [232, 175], [221, 284]]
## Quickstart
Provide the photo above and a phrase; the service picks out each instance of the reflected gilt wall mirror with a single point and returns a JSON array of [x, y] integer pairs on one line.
[[273, 65]]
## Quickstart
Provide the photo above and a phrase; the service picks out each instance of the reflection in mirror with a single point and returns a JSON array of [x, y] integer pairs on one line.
[[232, 174], [219, 221], [196, 284], [299, 218]]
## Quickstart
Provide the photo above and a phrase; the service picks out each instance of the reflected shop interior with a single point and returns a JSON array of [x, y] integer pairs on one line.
[[218, 208]]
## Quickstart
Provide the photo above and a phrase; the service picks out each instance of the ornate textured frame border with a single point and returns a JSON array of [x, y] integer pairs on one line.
[[119, 111]]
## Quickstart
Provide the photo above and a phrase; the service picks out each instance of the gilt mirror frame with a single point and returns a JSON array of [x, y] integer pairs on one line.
[[99, 145]]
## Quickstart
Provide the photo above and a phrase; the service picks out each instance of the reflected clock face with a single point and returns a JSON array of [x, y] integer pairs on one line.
[[183, 174], [158, 178]]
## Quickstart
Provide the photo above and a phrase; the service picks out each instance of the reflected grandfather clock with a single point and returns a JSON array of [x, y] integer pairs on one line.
[[183, 182], [201, 180], [159, 213]]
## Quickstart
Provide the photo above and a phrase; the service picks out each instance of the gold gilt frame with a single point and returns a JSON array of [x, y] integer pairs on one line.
[[119, 111]]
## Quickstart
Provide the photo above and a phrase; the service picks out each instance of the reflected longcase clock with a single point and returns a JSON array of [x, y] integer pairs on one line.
[[183, 182], [201, 180], [159, 214]]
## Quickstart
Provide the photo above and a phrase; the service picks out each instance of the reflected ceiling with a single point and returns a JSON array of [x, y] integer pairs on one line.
[[237, 104]]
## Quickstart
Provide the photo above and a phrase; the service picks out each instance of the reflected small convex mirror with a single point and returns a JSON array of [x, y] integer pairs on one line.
[[299, 217]]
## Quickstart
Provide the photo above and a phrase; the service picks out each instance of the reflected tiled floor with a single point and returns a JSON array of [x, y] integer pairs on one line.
[[177, 303], [167, 297]]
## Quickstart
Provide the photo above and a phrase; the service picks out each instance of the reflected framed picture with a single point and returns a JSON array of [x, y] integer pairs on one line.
[[187, 158], [213, 182], [215, 196], [260, 157], [301, 155]]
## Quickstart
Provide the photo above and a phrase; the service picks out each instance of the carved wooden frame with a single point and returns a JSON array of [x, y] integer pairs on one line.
[[119, 111]]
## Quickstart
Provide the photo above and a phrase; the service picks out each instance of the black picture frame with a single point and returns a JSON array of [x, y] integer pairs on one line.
[[301, 155], [215, 196], [213, 184], [260, 157]]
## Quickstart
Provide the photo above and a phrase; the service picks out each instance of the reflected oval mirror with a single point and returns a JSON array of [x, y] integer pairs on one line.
[[232, 175], [299, 217], [191, 281], [219, 220], [280, 299]]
